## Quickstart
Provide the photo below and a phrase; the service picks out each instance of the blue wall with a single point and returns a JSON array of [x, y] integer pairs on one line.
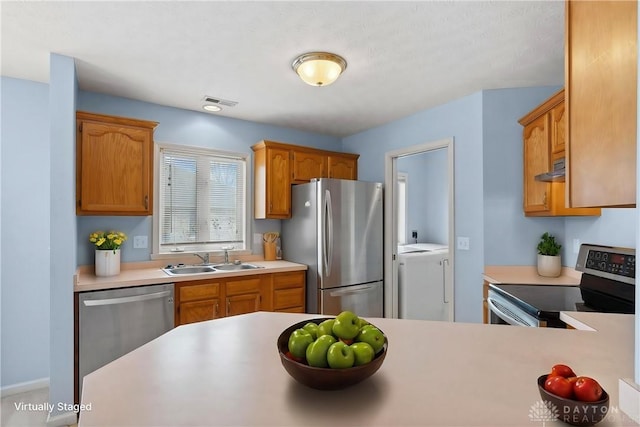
[[177, 126], [25, 231], [510, 237], [462, 120], [427, 194]]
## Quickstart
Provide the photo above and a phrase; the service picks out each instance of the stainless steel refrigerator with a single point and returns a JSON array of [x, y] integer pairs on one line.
[[336, 230]]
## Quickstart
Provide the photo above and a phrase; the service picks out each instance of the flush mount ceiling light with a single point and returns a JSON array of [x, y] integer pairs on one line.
[[319, 68], [212, 108]]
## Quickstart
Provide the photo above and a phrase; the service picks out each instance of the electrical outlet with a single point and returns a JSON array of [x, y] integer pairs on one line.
[[463, 243], [414, 234], [140, 242], [576, 246]]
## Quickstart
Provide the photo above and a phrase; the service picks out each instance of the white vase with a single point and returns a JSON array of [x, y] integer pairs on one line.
[[549, 266], [107, 262]]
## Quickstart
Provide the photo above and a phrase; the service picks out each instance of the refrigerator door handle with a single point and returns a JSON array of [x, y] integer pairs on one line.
[[351, 290], [327, 238]]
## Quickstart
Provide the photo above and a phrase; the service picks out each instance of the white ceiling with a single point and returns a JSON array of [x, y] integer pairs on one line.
[[402, 57]]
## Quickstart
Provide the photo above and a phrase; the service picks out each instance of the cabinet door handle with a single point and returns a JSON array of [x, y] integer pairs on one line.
[[544, 200], [146, 202], [228, 307], [217, 310]]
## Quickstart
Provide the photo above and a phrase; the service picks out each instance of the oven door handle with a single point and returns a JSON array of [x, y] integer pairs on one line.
[[494, 307]]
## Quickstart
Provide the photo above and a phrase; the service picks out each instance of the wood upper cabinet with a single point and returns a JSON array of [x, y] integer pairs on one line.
[[544, 141], [601, 84], [308, 165], [277, 166], [114, 165], [343, 166], [272, 182]]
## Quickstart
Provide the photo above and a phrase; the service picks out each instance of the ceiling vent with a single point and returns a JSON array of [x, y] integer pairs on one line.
[[219, 101]]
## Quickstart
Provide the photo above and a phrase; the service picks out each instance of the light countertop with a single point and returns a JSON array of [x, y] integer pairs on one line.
[[151, 273], [227, 372], [527, 274]]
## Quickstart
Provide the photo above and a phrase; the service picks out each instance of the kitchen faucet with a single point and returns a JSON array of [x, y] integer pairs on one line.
[[204, 258]]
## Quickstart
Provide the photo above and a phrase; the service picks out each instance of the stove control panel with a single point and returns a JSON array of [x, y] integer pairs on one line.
[[607, 261]]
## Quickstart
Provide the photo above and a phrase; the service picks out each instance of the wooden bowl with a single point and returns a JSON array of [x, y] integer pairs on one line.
[[326, 378], [575, 412]]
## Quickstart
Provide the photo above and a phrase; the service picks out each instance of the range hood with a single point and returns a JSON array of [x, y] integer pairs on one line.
[[556, 175]]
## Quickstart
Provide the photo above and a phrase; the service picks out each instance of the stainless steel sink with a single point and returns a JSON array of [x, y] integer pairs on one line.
[[191, 269], [232, 267]]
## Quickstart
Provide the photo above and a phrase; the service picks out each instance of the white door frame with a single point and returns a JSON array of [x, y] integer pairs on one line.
[[390, 221]]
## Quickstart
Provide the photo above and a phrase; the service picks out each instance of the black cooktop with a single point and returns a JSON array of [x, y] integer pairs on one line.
[[543, 301]]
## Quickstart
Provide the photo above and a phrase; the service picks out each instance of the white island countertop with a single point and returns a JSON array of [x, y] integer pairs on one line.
[[227, 372]]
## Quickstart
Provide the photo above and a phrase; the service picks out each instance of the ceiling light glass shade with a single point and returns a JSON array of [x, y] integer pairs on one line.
[[210, 107], [319, 68]]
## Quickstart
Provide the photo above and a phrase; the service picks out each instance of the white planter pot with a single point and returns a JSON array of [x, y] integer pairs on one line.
[[107, 262], [549, 266]]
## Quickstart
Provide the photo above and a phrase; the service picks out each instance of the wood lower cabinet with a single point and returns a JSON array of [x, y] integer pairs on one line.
[[197, 301], [208, 299], [243, 295], [544, 141], [114, 165], [601, 49], [277, 166], [289, 292]]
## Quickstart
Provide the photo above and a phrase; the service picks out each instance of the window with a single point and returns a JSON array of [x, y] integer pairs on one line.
[[402, 208], [201, 200]]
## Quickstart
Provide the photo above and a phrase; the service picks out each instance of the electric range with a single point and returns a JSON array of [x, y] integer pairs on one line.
[[607, 285]]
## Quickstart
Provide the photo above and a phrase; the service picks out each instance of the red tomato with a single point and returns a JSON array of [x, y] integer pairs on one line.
[[563, 371], [560, 386], [587, 389]]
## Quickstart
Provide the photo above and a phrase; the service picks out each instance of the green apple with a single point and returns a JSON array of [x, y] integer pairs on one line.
[[326, 327], [299, 340], [372, 336], [363, 353], [346, 325], [317, 351], [312, 328], [340, 356], [362, 322]]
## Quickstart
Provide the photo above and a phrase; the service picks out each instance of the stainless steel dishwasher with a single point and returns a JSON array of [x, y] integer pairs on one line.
[[116, 321]]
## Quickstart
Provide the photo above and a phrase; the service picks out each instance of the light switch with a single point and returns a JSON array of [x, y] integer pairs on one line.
[[463, 243]]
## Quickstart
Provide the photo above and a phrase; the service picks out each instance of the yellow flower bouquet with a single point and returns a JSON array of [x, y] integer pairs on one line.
[[107, 240]]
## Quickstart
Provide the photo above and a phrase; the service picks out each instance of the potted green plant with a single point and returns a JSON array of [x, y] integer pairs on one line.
[[549, 259]]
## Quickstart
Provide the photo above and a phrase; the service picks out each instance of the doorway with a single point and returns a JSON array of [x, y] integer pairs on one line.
[[419, 218]]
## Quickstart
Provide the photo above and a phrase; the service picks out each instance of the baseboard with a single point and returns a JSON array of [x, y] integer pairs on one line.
[[24, 387], [63, 419], [629, 397]]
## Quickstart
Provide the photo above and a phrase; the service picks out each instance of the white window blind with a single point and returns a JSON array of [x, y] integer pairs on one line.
[[202, 200]]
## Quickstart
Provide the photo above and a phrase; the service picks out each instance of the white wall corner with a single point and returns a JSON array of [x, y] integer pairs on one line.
[[629, 398]]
